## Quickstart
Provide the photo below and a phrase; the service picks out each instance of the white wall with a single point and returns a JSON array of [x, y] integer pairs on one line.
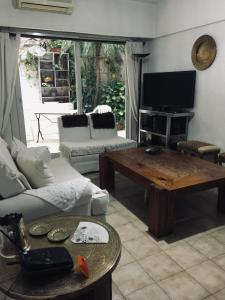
[[173, 53], [177, 15], [105, 17]]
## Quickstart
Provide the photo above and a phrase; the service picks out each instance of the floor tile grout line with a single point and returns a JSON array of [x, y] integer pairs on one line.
[[205, 259], [118, 289], [202, 252], [217, 264], [211, 235], [217, 291], [184, 271], [199, 282], [164, 291], [212, 259], [139, 289], [197, 250], [140, 267]]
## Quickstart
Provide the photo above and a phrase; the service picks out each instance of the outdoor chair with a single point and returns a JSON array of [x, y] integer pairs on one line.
[[102, 109]]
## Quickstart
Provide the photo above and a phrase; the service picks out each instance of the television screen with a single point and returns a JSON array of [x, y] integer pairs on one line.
[[169, 90]]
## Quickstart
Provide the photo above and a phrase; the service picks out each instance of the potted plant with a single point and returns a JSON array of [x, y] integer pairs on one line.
[[56, 46], [56, 67]]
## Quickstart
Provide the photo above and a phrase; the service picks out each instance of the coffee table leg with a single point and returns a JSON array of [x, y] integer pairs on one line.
[[221, 199], [102, 291], [161, 212], [107, 173]]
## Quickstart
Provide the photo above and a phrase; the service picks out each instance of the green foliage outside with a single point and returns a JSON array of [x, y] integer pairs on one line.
[[31, 63], [94, 90], [114, 96], [111, 93], [88, 77]]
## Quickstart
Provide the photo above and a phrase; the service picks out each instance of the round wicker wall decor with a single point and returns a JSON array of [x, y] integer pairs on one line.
[[203, 52]]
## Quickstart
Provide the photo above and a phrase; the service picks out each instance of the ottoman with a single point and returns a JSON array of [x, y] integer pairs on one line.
[[221, 158], [201, 149]]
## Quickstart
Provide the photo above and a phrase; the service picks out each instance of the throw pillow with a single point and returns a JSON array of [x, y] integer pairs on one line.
[[103, 121], [16, 146], [36, 170], [41, 152], [10, 182], [74, 121]]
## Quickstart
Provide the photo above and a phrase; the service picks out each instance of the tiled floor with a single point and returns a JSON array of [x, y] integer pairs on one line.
[[188, 264]]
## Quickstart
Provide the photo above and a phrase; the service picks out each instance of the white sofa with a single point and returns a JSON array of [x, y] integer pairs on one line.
[[15, 195], [81, 146]]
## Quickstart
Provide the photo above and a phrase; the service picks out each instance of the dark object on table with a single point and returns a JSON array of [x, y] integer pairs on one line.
[[153, 150], [43, 261], [13, 226], [46, 261]]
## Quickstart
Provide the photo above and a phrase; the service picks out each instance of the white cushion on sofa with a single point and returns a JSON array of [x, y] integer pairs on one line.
[[96, 146], [103, 133], [31, 207], [36, 170], [62, 170], [83, 148], [73, 134], [118, 143]]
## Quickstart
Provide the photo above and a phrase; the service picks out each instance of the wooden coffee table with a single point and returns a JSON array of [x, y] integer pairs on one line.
[[102, 260], [164, 175]]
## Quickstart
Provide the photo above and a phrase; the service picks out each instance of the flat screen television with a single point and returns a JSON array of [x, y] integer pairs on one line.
[[168, 90]]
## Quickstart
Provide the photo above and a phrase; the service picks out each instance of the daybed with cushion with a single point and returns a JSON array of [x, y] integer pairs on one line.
[[45, 186], [84, 137]]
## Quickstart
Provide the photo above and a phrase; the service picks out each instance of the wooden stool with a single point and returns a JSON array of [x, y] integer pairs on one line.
[[221, 158], [200, 149]]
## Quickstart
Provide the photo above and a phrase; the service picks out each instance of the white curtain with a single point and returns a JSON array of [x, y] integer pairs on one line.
[[9, 51], [132, 73]]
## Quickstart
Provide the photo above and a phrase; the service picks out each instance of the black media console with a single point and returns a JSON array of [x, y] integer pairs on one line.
[[163, 127]]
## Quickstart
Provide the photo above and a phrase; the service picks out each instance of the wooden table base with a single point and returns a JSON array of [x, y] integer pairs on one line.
[[160, 212]]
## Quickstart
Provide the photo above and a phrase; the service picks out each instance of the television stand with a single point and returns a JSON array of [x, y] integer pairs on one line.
[[164, 127]]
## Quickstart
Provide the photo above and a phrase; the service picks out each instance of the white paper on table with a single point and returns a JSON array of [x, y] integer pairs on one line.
[[88, 233]]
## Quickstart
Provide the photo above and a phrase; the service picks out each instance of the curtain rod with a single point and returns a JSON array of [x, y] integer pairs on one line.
[[47, 34]]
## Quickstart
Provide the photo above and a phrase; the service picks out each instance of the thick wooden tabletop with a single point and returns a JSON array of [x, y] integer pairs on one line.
[[170, 170], [102, 259]]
